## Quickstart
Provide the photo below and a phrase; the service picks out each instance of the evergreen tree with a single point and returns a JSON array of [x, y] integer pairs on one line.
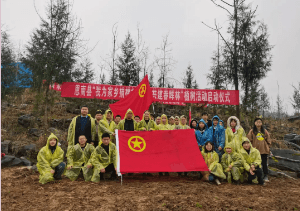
[[8, 70], [188, 80], [296, 99], [53, 50], [126, 63], [84, 73], [264, 102]]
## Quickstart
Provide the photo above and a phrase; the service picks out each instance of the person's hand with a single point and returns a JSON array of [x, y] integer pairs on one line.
[[89, 166], [220, 148], [252, 167], [52, 171], [230, 166], [251, 172], [209, 170], [102, 170], [227, 169], [92, 143], [70, 167], [116, 169], [145, 129], [113, 134]]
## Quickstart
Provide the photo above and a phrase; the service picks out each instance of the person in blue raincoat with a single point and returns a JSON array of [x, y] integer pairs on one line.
[[216, 135], [201, 133]]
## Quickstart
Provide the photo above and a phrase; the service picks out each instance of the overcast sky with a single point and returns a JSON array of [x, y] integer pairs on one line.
[[192, 42]]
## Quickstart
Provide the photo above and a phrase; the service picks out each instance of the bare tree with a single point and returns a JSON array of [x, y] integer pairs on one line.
[[141, 53], [110, 61], [279, 105], [164, 61]]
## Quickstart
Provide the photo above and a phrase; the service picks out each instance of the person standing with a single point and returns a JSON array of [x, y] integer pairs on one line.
[[128, 123], [83, 124], [147, 124], [216, 135], [205, 118], [234, 133], [260, 139]]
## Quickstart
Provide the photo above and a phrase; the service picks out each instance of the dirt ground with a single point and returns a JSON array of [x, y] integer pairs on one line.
[[20, 190]]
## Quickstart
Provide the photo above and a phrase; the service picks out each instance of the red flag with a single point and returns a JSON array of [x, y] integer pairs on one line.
[[190, 116], [158, 151], [138, 100]]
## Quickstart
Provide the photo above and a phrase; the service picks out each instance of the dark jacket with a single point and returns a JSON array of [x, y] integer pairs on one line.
[[86, 131]]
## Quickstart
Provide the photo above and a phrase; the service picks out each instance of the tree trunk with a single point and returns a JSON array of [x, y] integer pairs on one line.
[[235, 62]]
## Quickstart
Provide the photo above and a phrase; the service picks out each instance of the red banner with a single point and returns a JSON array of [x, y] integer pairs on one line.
[[169, 95], [178, 151]]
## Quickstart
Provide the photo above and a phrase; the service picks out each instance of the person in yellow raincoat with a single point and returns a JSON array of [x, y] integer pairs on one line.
[[50, 161], [234, 133], [146, 124], [106, 125], [79, 160], [128, 123], [252, 162], [212, 161], [104, 159], [232, 163], [176, 122], [83, 124], [182, 124], [158, 120], [164, 123], [172, 122]]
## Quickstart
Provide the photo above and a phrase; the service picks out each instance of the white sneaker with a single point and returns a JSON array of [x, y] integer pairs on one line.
[[217, 181], [266, 179]]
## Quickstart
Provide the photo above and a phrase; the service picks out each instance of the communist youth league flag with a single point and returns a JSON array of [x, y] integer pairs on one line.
[[138, 100], [158, 151]]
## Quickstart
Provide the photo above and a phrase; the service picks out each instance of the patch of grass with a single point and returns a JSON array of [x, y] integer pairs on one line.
[[198, 205], [164, 204]]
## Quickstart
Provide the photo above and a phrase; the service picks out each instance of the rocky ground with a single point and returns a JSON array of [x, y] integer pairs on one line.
[[20, 190]]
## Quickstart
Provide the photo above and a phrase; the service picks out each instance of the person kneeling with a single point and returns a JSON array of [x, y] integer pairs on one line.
[[252, 162], [212, 161], [50, 161], [104, 159], [79, 160], [232, 164]]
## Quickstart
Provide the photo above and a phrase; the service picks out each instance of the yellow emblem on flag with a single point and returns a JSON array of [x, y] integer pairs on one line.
[[142, 90], [136, 142]]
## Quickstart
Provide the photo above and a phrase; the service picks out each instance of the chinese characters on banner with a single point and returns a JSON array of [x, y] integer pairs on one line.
[[169, 95]]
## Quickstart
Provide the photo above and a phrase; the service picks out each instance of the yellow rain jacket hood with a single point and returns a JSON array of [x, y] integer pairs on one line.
[[253, 158], [236, 161], [143, 125], [162, 126], [234, 137], [122, 122], [48, 161]]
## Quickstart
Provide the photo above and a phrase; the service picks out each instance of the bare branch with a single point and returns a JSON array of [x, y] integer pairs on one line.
[[221, 7]]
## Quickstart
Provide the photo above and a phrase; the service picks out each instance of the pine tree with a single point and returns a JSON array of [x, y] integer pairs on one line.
[[264, 102], [8, 70], [126, 63], [188, 80], [84, 73], [296, 99], [53, 50]]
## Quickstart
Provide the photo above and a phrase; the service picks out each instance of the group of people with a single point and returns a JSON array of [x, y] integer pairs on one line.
[[228, 153]]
